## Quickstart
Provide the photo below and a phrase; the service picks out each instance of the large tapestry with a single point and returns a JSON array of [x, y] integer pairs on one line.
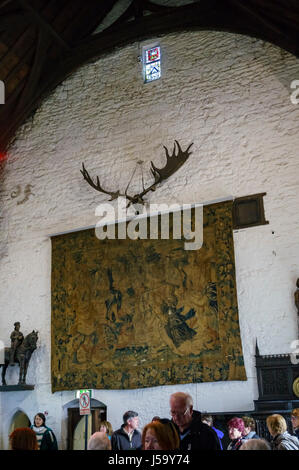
[[141, 313]]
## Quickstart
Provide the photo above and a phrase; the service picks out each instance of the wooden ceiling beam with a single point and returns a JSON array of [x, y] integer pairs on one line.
[[221, 17], [155, 7], [130, 12], [256, 16], [15, 49], [35, 73], [283, 14], [214, 15], [100, 13], [3, 3], [23, 62], [39, 19], [13, 20]]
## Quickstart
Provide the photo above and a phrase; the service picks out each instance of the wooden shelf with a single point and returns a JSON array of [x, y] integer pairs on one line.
[[16, 388]]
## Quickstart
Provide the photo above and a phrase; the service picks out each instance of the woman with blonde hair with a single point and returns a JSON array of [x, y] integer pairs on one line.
[[160, 434], [282, 440], [295, 421], [105, 426]]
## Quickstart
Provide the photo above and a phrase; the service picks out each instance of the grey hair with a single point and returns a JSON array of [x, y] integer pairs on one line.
[[183, 396], [255, 444]]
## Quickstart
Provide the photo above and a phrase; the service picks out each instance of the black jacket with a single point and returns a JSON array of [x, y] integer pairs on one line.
[[120, 440], [200, 436], [48, 441]]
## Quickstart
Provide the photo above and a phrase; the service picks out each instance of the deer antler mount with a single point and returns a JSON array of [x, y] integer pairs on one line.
[[173, 163]]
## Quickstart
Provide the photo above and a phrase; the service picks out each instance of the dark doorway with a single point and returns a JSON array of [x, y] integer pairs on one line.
[[76, 422]]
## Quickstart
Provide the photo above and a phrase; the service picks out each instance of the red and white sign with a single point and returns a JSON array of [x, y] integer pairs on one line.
[[84, 403]]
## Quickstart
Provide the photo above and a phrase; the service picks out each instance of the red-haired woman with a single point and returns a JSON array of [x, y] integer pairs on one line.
[[160, 434], [235, 431], [23, 439]]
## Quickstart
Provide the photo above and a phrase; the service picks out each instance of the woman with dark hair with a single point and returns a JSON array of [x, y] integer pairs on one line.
[[235, 431], [45, 436], [23, 439], [160, 434]]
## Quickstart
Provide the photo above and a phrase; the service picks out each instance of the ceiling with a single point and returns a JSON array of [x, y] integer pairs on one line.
[[44, 41]]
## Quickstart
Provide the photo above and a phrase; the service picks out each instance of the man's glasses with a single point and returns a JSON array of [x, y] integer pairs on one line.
[[179, 414]]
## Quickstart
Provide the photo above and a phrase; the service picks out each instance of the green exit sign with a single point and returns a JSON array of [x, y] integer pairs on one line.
[[79, 392]]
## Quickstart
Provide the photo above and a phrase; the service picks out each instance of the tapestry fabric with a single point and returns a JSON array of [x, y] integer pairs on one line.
[[142, 313]]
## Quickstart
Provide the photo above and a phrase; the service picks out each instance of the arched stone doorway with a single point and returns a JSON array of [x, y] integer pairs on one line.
[[19, 420], [76, 422]]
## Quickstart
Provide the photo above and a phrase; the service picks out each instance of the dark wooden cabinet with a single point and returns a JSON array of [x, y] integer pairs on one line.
[[276, 374]]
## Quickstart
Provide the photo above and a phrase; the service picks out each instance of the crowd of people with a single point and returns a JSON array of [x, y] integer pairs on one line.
[[187, 430]]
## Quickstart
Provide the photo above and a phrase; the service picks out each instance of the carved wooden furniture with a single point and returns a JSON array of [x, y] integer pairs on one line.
[[275, 377]]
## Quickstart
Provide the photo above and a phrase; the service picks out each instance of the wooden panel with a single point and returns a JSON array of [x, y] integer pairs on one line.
[[248, 211]]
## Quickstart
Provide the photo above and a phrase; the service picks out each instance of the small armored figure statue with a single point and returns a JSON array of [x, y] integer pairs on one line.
[[16, 338], [296, 295]]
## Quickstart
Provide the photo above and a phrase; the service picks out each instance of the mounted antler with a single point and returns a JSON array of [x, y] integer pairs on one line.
[[173, 163], [114, 195]]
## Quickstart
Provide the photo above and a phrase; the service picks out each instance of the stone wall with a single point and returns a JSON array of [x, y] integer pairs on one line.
[[228, 94]]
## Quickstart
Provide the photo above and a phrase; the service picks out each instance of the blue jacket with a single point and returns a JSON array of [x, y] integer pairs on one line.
[[251, 435], [220, 435]]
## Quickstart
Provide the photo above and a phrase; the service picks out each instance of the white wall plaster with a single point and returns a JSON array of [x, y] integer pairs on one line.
[[228, 94]]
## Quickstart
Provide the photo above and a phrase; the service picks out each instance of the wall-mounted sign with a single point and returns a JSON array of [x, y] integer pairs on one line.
[[84, 403]]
